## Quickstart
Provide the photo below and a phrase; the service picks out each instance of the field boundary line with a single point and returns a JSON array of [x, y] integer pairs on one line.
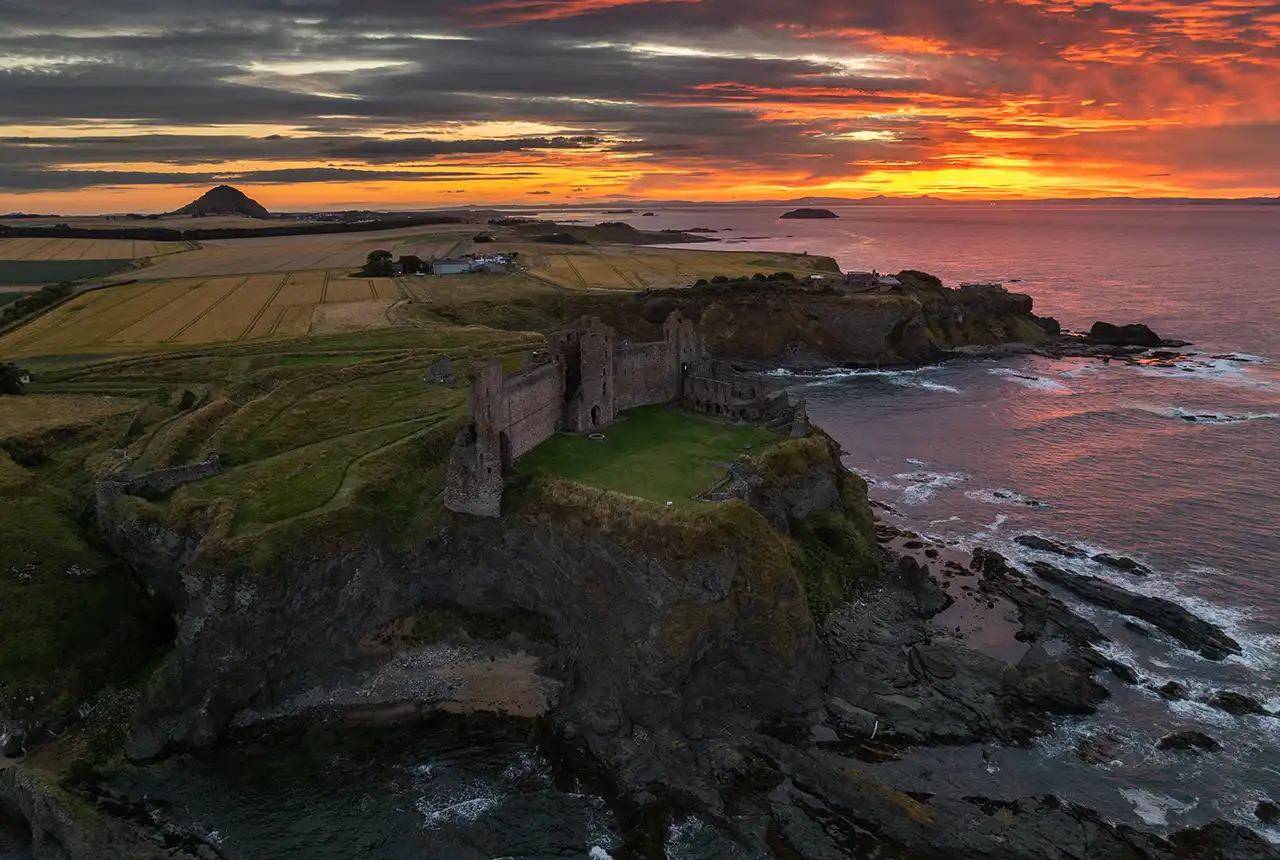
[[205, 312], [279, 319], [324, 291], [262, 310], [574, 269], [38, 249], [151, 290], [625, 279], [373, 290]]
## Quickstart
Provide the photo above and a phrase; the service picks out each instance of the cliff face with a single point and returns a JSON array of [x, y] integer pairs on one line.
[[808, 328], [610, 612]]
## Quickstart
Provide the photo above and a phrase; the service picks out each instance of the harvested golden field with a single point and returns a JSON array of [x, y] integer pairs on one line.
[[212, 310], [86, 249], [627, 267], [34, 412], [219, 257]]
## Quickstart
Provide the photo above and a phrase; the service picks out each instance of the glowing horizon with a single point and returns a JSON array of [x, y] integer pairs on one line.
[[486, 103]]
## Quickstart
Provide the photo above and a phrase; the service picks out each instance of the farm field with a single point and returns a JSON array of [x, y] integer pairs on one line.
[[34, 273], [86, 249], [305, 253], [627, 267], [199, 311]]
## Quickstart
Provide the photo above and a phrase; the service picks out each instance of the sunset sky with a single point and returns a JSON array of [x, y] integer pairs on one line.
[[136, 105]]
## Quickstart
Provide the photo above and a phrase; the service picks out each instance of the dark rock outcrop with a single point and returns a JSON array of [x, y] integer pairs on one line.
[[224, 200], [1189, 740], [929, 596], [1135, 334], [1124, 563], [1268, 812], [1221, 840], [1172, 691], [1043, 616], [1043, 544], [1191, 630], [1237, 704]]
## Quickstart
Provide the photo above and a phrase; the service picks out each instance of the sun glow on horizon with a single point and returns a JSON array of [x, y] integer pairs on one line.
[[508, 102]]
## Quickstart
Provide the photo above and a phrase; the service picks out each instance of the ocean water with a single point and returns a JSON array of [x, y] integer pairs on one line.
[[1177, 465]]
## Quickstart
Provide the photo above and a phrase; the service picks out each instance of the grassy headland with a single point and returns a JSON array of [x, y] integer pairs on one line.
[[654, 453]]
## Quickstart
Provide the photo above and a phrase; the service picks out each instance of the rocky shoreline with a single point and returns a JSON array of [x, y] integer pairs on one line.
[[697, 681]]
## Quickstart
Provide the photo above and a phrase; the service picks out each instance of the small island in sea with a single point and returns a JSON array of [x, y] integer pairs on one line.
[[810, 213]]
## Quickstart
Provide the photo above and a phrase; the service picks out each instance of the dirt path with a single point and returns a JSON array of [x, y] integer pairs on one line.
[[350, 476]]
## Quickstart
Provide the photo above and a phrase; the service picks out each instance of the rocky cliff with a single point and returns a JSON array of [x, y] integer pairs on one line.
[[811, 328], [609, 612]]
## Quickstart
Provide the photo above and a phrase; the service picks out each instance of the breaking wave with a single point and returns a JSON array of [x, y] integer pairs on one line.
[[1195, 416], [1236, 369], [1042, 383], [1002, 496], [469, 804], [917, 488], [906, 378], [1153, 808]]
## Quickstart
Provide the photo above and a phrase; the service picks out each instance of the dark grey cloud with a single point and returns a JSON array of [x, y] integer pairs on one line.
[[20, 180], [399, 151], [683, 84]]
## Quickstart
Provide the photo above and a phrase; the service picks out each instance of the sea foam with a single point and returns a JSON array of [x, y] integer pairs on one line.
[[1041, 383], [1154, 809]]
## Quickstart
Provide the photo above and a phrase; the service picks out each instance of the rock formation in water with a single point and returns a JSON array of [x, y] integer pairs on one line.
[[805, 213]]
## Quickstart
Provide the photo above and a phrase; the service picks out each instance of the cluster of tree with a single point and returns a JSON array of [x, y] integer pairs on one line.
[[758, 277], [411, 264], [559, 239], [379, 264], [11, 378], [383, 264], [32, 302], [924, 278]]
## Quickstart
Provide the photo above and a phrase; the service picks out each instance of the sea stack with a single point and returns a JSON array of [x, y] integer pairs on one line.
[[810, 213], [224, 200]]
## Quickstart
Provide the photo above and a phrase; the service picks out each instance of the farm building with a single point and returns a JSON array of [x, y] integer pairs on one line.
[[453, 267]]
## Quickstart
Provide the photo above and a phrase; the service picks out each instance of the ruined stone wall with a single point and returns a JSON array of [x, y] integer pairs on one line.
[[645, 374], [534, 402], [474, 482], [718, 390], [586, 353], [164, 480]]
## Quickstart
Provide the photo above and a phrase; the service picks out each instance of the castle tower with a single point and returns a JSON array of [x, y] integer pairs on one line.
[[474, 482], [585, 353], [684, 342]]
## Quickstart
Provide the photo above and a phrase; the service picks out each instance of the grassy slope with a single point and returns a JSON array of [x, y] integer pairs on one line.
[[655, 453], [70, 617]]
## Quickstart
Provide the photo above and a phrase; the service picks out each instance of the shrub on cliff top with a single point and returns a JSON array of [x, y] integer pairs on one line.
[[919, 279], [792, 457]]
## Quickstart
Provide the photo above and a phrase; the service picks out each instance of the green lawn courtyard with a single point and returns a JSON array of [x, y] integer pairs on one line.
[[656, 453]]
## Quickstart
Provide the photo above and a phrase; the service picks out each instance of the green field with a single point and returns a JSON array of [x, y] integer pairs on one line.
[[655, 453], [35, 273]]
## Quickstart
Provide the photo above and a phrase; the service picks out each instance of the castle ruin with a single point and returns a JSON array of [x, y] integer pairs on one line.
[[587, 379]]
